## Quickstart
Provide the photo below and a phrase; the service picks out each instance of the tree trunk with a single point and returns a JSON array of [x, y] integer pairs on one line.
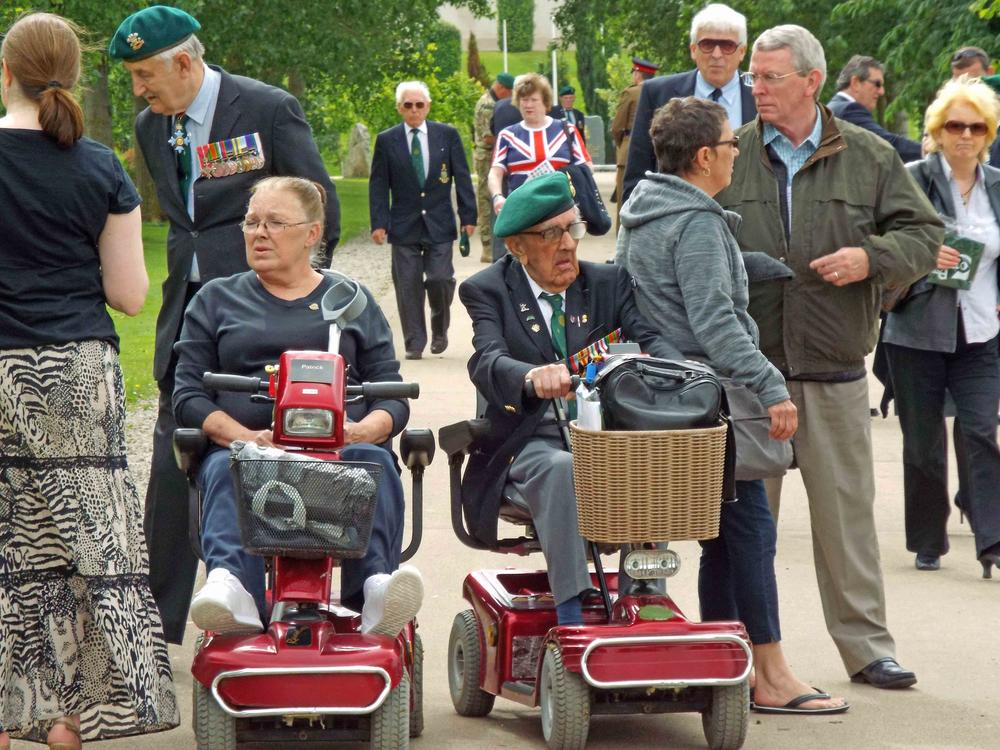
[[97, 105], [143, 179]]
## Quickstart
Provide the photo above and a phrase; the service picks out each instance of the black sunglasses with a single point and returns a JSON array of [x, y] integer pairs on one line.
[[958, 128], [727, 46], [411, 105]]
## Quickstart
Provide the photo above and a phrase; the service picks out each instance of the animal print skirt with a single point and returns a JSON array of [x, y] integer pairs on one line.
[[79, 630]]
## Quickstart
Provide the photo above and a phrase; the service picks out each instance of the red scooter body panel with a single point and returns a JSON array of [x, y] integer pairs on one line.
[[297, 580], [310, 380]]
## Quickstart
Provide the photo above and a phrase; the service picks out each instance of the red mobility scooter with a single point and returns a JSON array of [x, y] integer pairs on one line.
[[635, 653], [312, 677]]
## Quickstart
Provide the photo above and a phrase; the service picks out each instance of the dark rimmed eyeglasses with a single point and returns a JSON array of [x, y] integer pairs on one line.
[[270, 227], [958, 128], [734, 142], [726, 46], [576, 230], [411, 105]]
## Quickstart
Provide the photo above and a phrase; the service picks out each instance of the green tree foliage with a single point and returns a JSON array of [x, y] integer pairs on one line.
[[474, 67], [520, 17], [447, 40]]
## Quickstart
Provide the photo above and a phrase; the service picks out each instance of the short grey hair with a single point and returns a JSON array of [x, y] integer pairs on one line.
[[412, 86], [192, 45], [860, 66], [807, 52], [719, 17]]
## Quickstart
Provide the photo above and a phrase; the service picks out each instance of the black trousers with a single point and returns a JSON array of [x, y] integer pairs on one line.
[[419, 272], [920, 379], [172, 562]]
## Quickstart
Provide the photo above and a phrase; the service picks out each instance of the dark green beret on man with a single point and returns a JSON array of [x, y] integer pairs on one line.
[[505, 79], [534, 202], [150, 31]]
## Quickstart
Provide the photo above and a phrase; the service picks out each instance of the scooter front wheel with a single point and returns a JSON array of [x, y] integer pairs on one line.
[[214, 729], [390, 728], [464, 662], [725, 721], [417, 688], [565, 703]]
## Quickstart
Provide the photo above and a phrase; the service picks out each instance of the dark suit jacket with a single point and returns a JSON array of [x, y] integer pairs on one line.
[[396, 201], [994, 160], [244, 106], [505, 114], [654, 94], [858, 114], [558, 113], [510, 339]]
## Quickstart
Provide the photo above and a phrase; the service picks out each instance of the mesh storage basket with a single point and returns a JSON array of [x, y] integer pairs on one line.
[[639, 486], [305, 508]]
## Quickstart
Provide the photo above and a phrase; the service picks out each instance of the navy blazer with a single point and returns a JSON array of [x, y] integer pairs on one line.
[[654, 94], [927, 318], [859, 115], [244, 106], [397, 203], [558, 113], [504, 115], [510, 338]]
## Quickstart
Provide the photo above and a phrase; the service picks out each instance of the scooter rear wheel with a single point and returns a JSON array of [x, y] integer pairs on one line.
[[417, 688], [214, 729], [726, 720], [464, 661], [565, 703], [390, 728]]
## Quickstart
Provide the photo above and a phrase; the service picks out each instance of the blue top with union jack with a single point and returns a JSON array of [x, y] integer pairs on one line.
[[525, 152]]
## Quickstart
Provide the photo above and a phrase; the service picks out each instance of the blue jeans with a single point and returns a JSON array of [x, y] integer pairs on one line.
[[223, 548], [736, 576]]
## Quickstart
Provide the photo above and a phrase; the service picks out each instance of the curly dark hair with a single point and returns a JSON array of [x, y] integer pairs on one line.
[[681, 127]]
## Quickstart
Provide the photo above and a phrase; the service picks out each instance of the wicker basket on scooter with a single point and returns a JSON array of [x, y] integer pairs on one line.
[[305, 508], [646, 486]]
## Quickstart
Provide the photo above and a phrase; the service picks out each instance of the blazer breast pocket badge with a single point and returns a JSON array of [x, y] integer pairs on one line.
[[244, 153], [444, 173]]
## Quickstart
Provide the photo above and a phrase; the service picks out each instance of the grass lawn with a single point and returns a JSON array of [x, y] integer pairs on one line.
[[137, 334]]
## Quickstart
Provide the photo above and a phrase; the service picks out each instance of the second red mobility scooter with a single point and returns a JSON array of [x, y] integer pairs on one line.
[[311, 677], [635, 653]]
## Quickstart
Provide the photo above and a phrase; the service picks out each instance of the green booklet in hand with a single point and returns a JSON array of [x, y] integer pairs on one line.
[[960, 276]]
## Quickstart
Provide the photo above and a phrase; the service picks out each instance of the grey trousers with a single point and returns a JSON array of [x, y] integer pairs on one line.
[[423, 271], [541, 478], [833, 449]]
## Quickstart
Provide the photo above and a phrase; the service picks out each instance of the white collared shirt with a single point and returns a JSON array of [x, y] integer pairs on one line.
[[424, 144], [731, 99], [977, 221], [200, 114], [543, 304]]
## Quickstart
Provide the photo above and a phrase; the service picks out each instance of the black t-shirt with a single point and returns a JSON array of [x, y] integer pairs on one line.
[[54, 204]]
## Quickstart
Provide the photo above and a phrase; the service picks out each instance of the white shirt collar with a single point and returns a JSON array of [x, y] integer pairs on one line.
[[536, 290], [199, 108], [422, 129], [846, 96], [730, 90]]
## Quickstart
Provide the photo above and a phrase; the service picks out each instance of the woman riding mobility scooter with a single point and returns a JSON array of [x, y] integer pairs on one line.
[[635, 652], [312, 676]]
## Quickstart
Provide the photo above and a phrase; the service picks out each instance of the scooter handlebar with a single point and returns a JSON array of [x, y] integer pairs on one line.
[[235, 383], [529, 387], [385, 390]]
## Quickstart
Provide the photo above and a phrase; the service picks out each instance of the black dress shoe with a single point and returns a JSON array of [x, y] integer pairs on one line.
[[439, 344], [414, 355], [885, 673], [928, 562]]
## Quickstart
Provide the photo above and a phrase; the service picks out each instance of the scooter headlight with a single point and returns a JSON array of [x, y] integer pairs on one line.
[[652, 563], [308, 422]]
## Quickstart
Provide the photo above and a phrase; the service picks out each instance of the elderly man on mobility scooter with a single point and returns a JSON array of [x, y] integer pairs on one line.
[[238, 326]]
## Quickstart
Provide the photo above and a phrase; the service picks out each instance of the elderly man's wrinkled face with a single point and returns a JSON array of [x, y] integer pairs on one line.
[[414, 107], [567, 101], [718, 55], [783, 94], [165, 85], [548, 250]]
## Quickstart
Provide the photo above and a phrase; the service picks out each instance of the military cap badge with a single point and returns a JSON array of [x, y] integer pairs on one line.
[[135, 41]]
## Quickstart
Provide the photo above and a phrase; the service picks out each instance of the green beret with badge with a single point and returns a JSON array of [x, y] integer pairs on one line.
[[566, 90], [534, 202], [993, 82], [506, 80], [150, 31]]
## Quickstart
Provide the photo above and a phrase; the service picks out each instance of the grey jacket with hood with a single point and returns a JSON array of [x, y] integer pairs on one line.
[[679, 245]]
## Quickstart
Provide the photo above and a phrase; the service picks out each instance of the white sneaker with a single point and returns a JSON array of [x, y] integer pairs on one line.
[[224, 606], [391, 601]]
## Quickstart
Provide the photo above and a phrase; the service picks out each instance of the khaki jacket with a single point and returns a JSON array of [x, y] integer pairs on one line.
[[854, 191], [621, 125]]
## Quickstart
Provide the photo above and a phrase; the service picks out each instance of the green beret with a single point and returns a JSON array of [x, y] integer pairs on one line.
[[564, 90], [534, 202], [505, 79], [150, 31], [993, 82]]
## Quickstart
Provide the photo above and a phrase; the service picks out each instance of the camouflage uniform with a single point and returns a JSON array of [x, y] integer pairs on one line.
[[482, 156]]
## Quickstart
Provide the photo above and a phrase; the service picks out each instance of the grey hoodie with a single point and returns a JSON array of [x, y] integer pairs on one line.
[[679, 245]]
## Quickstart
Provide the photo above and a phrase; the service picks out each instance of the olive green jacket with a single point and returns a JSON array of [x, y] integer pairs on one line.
[[854, 191]]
